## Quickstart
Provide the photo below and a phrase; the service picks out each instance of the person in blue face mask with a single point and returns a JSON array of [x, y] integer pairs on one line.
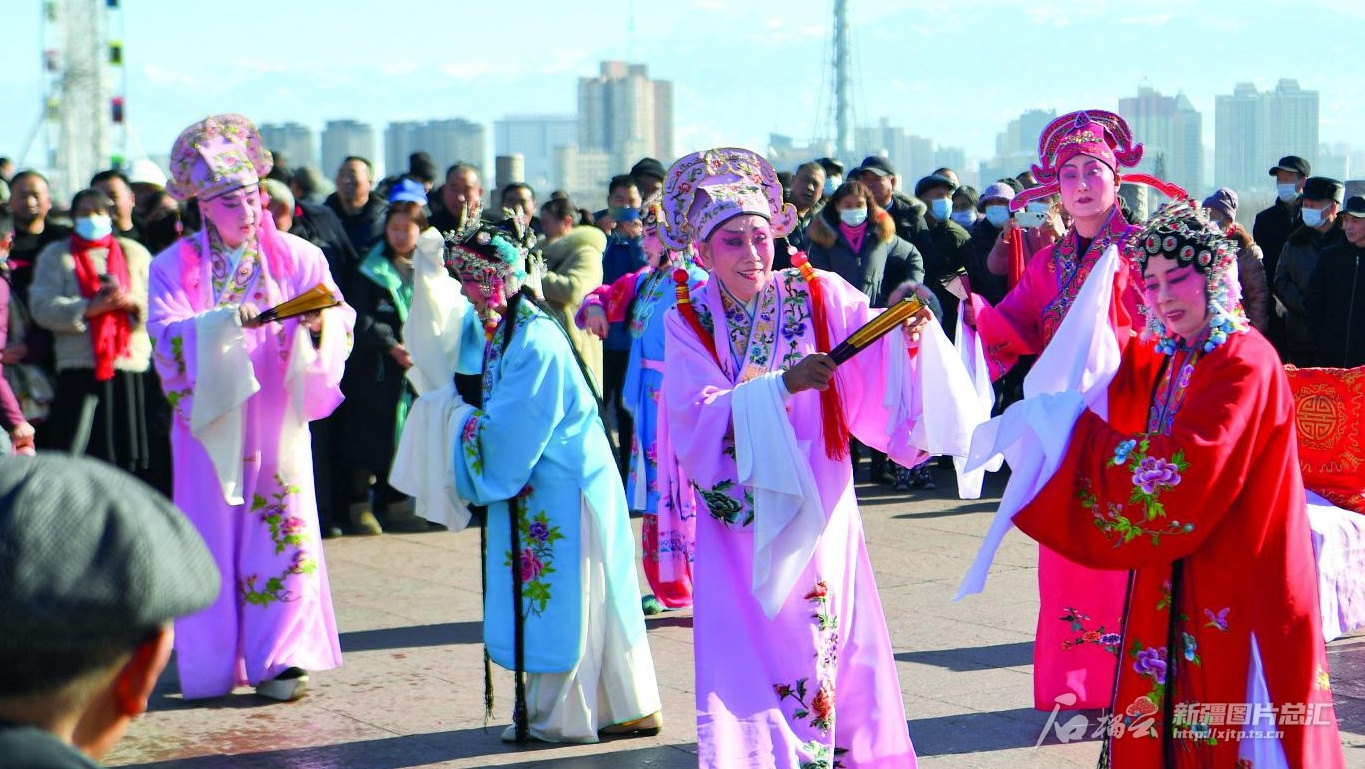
[[994, 207], [964, 207], [1319, 205], [1273, 225], [944, 242]]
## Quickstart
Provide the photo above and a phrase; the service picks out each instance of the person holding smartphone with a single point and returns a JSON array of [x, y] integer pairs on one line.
[[90, 291], [1080, 155]]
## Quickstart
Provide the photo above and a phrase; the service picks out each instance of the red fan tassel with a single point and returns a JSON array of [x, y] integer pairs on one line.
[[831, 406], [689, 313]]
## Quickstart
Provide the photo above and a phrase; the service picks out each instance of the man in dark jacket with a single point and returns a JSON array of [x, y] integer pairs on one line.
[[879, 176], [1336, 294], [1273, 225], [808, 184], [1321, 200], [943, 243], [360, 210]]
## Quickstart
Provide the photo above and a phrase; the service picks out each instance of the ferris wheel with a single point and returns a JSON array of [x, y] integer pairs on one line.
[[85, 83]]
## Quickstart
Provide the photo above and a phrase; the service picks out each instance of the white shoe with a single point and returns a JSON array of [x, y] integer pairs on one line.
[[285, 689]]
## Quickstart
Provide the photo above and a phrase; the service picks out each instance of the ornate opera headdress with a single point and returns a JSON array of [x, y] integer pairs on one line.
[[518, 229], [652, 219], [705, 189], [486, 255], [1097, 133], [217, 155], [1182, 231]]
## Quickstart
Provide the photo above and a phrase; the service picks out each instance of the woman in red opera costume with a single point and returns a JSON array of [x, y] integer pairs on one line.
[[1221, 658]]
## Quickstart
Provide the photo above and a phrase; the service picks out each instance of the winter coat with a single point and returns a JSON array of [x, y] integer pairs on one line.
[[57, 305], [1252, 277], [1336, 306], [885, 260], [1297, 262], [990, 286], [907, 213], [319, 226], [365, 227], [574, 267], [374, 384], [944, 246], [1271, 231]]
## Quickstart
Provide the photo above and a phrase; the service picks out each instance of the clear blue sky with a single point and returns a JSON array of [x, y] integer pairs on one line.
[[955, 72]]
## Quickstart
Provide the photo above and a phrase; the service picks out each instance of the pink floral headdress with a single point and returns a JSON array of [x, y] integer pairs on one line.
[[705, 189], [217, 155]]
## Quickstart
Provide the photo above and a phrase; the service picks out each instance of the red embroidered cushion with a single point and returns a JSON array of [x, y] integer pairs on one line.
[[1329, 412]]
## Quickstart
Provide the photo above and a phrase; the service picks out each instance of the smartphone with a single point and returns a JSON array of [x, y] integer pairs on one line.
[[1030, 218], [108, 282]]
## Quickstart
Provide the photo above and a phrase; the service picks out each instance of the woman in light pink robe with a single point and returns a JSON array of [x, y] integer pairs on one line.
[[795, 668], [242, 399]]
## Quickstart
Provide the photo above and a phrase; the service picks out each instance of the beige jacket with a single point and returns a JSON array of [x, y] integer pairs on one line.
[[574, 268], [57, 305]]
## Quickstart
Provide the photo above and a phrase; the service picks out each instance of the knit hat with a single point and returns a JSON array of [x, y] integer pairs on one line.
[[1223, 199], [89, 554], [996, 191]]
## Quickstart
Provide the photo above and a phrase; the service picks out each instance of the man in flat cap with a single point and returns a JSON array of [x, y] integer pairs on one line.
[[1318, 207], [94, 566]]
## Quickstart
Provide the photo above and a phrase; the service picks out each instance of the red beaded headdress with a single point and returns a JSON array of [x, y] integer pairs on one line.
[[1097, 133]]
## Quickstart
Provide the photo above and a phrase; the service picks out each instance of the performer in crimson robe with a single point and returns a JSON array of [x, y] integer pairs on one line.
[[1193, 484], [243, 397], [1080, 155]]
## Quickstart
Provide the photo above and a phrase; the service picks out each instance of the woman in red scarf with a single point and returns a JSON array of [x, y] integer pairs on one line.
[[91, 292]]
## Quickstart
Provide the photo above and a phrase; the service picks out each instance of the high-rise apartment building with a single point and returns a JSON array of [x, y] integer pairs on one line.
[[295, 142], [344, 138], [1170, 131], [624, 114], [1253, 129], [535, 138], [447, 142]]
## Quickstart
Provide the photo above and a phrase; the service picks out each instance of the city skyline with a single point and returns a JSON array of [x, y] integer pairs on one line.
[[740, 76]]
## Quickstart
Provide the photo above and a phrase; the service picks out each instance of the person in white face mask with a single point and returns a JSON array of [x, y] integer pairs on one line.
[[1273, 225], [90, 291], [1319, 205]]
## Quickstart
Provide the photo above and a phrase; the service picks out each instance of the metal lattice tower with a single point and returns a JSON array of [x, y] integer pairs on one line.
[[843, 82], [83, 99]]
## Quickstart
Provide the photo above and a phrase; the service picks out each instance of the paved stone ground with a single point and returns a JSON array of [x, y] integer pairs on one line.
[[410, 693]]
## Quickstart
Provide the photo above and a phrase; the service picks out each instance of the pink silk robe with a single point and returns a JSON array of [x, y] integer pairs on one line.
[[1075, 601], [769, 690], [275, 610]]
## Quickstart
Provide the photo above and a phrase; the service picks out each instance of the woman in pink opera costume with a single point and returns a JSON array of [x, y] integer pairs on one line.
[[794, 661], [1080, 155], [243, 395]]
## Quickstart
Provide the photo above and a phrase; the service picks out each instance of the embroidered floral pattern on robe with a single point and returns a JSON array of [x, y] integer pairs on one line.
[[286, 531]]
